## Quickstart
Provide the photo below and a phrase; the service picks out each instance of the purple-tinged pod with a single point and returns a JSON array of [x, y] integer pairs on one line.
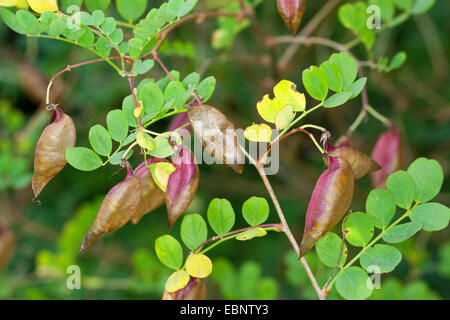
[[152, 197], [292, 12], [118, 207], [329, 202], [388, 153], [194, 290], [182, 184], [50, 154], [178, 121], [360, 162]]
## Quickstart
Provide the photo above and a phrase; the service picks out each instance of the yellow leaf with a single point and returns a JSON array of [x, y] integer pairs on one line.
[[43, 5], [258, 133], [8, 3], [161, 172], [137, 111], [145, 141], [268, 108], [284, 117], [286, 92], [251, 233], [177, 280], [198, 266]]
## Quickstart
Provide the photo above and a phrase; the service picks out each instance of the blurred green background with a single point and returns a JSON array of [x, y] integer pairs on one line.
[[123, 264]]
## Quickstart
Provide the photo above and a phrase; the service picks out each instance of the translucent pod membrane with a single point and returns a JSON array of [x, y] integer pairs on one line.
[[388, 153]]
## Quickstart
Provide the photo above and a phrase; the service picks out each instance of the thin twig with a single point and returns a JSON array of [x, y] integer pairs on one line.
[[284, 223]]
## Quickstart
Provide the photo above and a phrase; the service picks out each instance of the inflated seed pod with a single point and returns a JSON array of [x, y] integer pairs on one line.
[[118, 207], [182, 184], [7, 246], [329, 202], [152, 197], [194, 290], [292, 12], [217, 134], [388, 153], [178, 121], [50, 154], [360, 162]]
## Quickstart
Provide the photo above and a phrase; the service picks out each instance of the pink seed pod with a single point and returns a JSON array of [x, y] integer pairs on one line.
[[178, 121], [194, 290], [50, 154], [118, 207], [182, 184], [329, 202], [292, 12], [152, 197], [360, 162], [388, 153]]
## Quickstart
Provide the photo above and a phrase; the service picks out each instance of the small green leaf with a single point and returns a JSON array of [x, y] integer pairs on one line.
[[117, 36], [56, 27], [152, 97], [98, 17], [220, 215], [131, 9], [401, 232], [175, 90], [93, 5], [206, 88], [380, 206], [163, 148], [193, 230], [397, 61], [401, 185], [142, 67], [428, 177], [347, 65], [337, 99], [352, 282], [169, 251], [108, 26], [357, 87], [387, 8], [83, 159], [251, 233], [255, 211], [334, 76], [328, 249], [382, 256], [117, 125], [359, 229], [192, 79], [187, 7], [128, 109], [100, 140], [434, 216], [422, 6], [403, 4], [26, 19], [117, 158], [10, 20], [315, 83]]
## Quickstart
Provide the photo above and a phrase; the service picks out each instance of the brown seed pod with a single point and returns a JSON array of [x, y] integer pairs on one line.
[[50, 154], [217, 134], [118, 207], [360, 162], [194, 290], [388, 153], [152, 197], [329, 202], [292, 12], [182, 184], [7, 246]]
